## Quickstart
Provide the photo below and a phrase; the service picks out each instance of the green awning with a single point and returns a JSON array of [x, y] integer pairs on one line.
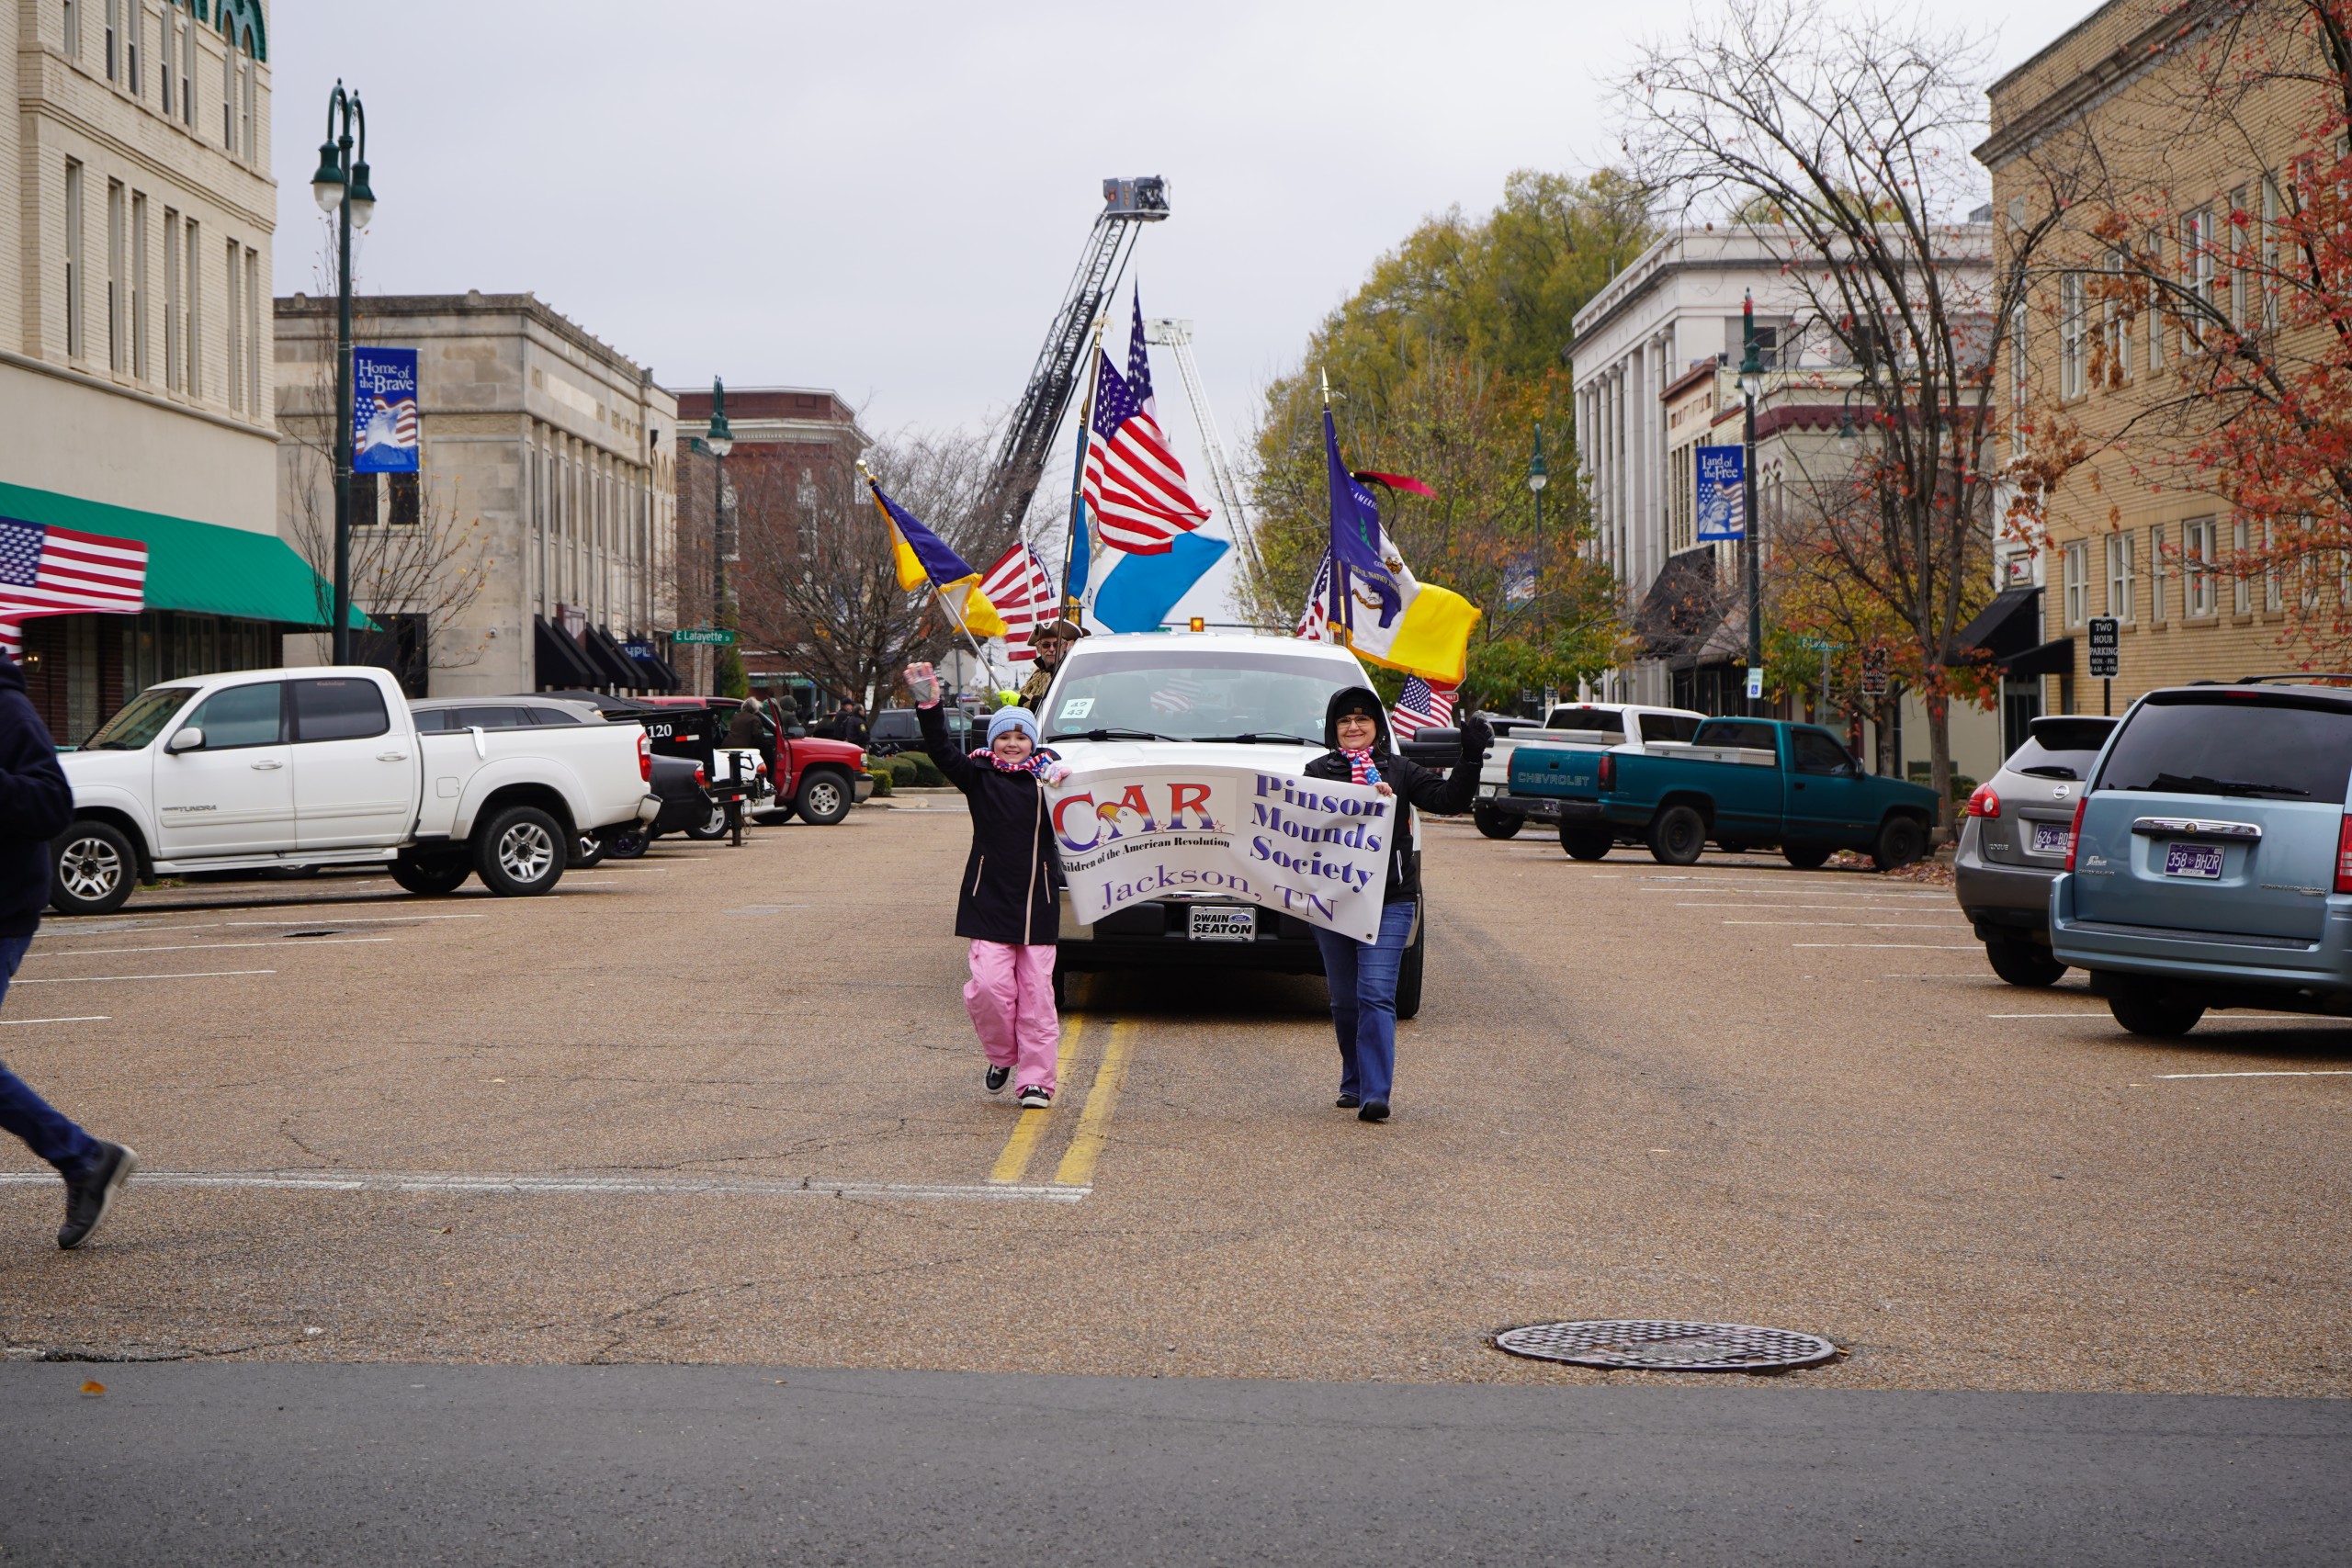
[[194, 566]]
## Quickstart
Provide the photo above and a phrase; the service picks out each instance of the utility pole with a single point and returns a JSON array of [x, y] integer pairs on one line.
[[1751, 385], [341, 187]]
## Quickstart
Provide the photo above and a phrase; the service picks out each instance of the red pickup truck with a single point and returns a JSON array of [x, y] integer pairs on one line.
[[816, 779]]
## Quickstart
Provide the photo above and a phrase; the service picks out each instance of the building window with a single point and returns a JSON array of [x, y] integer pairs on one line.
[[118, 314], [2113, 343], [257, 398], [2241, 260], [2274, 592], [2241, 591], [245, 74], [408, 501], [72, 18], [235, 326], [171, 300], [2018, 382], [229, 98], [2069, 335], [2120, 586], [365, 510], [2269, 254], [2196, 547], [194, 283], [2076, 564], [167, 33], [140, 366], [2156, 261], [2156, 572], [76, 333], [2196, 275], [136, 24], [114, 40], [188, 76]]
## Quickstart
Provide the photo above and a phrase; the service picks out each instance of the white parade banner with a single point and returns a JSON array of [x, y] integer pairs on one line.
[[1305, 847]]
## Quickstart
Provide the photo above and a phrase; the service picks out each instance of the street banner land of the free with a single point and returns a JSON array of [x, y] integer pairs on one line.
[[1304, 847]]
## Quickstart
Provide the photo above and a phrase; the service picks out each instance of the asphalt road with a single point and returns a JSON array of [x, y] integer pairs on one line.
[[723, 1106], [661, 1465]]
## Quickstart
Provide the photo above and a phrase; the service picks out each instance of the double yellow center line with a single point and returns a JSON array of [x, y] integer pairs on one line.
[[1076, 1168]]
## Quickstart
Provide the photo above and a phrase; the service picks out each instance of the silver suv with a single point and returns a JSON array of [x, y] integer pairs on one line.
[[2013, 844]]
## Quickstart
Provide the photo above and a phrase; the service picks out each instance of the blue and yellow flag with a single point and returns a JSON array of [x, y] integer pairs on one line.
[[924, 560]]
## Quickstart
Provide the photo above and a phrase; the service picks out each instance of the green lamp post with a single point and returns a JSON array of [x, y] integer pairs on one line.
[[718, 441], [342, 189], [1539, 474], [1751, 387]]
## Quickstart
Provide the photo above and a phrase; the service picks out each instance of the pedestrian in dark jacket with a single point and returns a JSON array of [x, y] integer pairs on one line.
[[1005, 905], [1362, 976], [747, 730], [36, 804]]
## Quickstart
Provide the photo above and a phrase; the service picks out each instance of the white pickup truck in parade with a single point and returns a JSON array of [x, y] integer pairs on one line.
[[272, 769]]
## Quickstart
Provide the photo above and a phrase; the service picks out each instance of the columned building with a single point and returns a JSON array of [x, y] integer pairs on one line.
[[136, 212], [538, 540]]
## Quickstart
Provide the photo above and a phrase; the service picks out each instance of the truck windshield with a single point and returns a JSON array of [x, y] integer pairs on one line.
[[1188, 696], [139, 720], [2268, 747]]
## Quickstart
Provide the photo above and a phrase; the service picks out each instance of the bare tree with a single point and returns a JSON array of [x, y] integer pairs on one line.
[[1842, 144], [817, 580]]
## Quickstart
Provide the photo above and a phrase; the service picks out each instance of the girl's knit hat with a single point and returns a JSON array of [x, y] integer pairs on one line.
[[1005, 719]]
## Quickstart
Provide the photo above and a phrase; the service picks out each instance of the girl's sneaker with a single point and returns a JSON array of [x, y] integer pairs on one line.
[[997, 1079], [1035, 1097]]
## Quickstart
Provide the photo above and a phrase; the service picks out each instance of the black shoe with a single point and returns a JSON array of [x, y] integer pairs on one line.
[[1348, 1103], [1373, 1111], [997, 1079], [88, 1199], [1037, 1097]]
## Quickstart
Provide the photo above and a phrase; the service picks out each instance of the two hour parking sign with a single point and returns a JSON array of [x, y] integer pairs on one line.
[[2105, 646]]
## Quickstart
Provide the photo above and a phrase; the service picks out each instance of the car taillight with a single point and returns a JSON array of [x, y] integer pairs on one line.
[[702, 780], [1983, 803], [644, 757], [2075, 832], [2344, 856], [1607, 771]]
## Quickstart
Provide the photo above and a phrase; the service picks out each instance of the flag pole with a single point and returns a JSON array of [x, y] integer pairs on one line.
[[1078, 467]]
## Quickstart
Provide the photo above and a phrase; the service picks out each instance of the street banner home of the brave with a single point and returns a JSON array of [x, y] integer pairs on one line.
[[1305, 847]]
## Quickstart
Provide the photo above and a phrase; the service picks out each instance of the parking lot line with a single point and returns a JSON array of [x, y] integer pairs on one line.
[[1076, 1168], [715, 1186], [1860, 925], [84, 1018], [94, 980], [1022, 1146], [2279, 1073], [211, 947], [1915, 946]]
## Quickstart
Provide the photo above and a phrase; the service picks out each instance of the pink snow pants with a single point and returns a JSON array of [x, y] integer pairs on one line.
[[1010, 998]]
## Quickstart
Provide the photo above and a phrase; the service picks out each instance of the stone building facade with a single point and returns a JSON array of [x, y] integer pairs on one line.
[[539, 536], [136, 213]]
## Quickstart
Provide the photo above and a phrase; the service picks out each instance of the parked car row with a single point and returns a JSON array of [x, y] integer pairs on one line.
[[2206, 860]]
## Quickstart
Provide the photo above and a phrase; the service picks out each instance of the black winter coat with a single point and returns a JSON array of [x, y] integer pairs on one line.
[[1007, 894], [1447, 794], [36, 804]]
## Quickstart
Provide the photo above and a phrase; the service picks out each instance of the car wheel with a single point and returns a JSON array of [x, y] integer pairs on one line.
[[2145, 1009], [824, 800], [1408, 970], [1678, 836], [520, 852], [627, 842], [1900, 842], [1806, 857], [587, 850], [431, 874], [1587, 843], [713, 824], [2022, 963], [94, 869], [1497, 824]]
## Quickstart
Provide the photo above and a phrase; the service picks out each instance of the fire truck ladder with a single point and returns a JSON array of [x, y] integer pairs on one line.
[[1176, 335], [1029, 436]]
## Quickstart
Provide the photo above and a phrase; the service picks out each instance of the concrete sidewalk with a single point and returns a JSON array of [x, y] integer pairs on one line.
[[323, 1464]]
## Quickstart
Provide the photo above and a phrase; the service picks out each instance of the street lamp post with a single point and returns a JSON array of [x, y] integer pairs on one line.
[[1751, 386], [718, 441], [1538, 476], [342, 189]]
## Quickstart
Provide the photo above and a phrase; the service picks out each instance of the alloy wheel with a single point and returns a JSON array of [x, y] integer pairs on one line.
[[90, 868], [524, 851]]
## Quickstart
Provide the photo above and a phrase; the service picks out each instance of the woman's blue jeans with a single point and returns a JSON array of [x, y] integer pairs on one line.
[[1363, 977], [27, 1114]]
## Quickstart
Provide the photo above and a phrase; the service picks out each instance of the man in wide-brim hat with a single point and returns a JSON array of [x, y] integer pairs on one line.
[[1052, 639]]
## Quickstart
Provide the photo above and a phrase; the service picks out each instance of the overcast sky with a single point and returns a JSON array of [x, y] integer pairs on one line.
[[888, 199]]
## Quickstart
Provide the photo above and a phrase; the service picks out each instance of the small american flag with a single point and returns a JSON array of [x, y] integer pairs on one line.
[[1024, 595], [1420, 707], [60, 571], [1177, 696], [1133, 484], [1315, 621]]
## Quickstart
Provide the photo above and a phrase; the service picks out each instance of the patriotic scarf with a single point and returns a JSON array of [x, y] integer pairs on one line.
[[1034, 764], [1360, 766]]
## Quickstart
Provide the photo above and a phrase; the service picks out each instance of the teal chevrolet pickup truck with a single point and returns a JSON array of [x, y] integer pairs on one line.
[[1745, 784]]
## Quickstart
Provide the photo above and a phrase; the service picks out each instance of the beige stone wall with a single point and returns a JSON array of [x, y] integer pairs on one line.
[[2104, 84]]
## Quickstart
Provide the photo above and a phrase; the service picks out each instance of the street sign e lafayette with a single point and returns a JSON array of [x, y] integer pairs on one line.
[[715, 637], [2107, 656]]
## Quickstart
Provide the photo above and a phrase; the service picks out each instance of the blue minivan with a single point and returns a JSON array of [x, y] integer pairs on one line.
[[2209, 864]]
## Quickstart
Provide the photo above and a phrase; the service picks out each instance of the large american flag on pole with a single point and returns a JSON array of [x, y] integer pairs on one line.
[[1024, 595], [62, 571], [1133, 484], [1420, 705]]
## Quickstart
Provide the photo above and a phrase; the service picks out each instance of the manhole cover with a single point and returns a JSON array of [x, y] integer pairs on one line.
[[1666, 1346]]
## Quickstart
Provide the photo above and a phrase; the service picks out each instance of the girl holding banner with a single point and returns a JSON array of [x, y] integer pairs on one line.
[[1362, 976], [1005, 904]]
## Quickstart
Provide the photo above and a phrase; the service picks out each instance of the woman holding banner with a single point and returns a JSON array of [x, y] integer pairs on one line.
[[1362, 976]]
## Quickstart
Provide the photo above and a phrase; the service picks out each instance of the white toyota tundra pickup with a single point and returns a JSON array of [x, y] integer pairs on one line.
[[305, 768]]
